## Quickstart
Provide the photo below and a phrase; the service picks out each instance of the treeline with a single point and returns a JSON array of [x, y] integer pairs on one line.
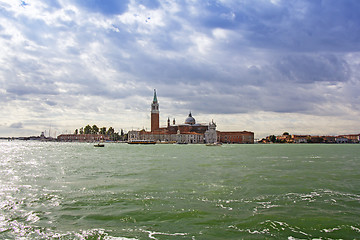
[[114, 136]]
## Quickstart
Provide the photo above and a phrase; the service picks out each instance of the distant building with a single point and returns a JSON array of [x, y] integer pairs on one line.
[[188, 132], [341, 139], [83, 137], [236, 137], [285, 138], [352, 138], [300, 138], [329, 139], [42, 136], [211, 134], [316, 139]]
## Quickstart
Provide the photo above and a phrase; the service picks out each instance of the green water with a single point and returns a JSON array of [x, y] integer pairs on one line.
[[76, 191]]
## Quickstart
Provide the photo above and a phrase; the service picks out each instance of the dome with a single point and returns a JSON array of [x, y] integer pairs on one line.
[[190, 120]]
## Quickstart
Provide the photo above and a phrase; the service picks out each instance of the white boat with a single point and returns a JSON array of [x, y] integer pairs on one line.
[[214, 144], [141, 142]]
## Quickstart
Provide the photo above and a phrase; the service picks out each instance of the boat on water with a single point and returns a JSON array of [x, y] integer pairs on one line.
[[99, 145], [141, 142], [213, 144], [165, 142]]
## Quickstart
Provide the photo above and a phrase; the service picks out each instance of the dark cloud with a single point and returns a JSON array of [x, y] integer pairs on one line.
[[41, 89], [50, 103], [215, 15], [314, 68], [211, 57], [310, 26], [16, 125], [296, 25]]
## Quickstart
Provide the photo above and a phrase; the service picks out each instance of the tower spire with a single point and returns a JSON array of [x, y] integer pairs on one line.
[[154, 113], [155, 97]]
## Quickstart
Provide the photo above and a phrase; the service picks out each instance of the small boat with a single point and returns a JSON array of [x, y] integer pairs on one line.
[[165, 142], [99, 145], [141, 142], [213, 144]]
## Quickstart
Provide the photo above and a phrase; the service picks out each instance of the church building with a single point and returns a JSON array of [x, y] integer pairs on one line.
[[187, 132]]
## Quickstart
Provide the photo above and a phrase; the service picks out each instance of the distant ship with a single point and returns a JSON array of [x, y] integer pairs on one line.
[[165, 142], [214, 144], [99, 145], [141, 142]]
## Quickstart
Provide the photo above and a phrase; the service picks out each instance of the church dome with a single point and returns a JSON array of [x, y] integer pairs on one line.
[[190, 120]]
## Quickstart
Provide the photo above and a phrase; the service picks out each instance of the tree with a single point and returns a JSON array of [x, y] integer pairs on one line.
[[115, 136], [95, 129], [286, 134], [272, 138], [103, 130], [110, 131], [88, 129]]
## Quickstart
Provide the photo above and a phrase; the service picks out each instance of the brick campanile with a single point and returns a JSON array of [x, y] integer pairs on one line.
[[154, 113]]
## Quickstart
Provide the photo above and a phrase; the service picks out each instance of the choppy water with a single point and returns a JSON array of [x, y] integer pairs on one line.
[[76, 191]]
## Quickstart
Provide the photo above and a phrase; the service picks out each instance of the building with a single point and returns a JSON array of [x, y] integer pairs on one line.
[[329, 139], [341, 139], [300, 138], [188, 132], [155, 118], [352, 138], [235, 137], [82, 137]]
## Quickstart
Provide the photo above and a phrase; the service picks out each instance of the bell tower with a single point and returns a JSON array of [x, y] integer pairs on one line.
[[154, 113]]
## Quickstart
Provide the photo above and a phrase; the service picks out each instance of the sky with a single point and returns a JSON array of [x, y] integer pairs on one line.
[[266, 66]]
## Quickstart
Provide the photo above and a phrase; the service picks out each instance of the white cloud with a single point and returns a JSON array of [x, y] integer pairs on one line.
[[71, 63]]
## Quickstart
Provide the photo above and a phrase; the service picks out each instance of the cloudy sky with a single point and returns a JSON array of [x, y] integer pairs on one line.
[[266, 66]]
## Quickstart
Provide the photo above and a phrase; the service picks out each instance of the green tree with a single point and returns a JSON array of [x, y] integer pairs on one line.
[[95, 129], [103, 130], [272, 138], [110, 131], [81, 130], [87, 129], [286, 134], [115, 136], [76, 132]]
